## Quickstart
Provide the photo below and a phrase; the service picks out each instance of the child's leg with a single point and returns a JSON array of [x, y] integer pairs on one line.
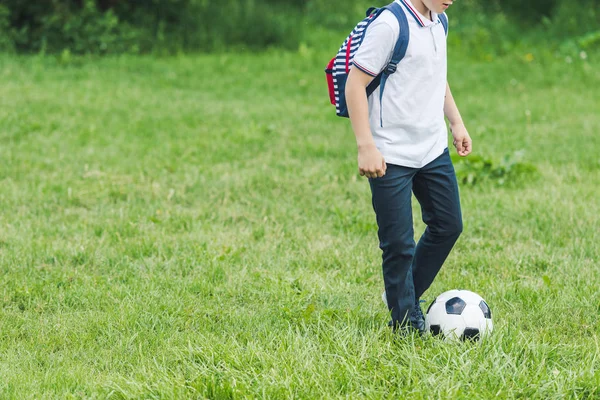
[[392, 205], [436, 189]]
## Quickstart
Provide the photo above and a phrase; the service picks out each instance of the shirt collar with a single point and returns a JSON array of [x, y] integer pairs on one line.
[[420, 18]]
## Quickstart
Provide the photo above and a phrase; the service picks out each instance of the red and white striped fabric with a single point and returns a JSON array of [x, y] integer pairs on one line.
[[339, 67]]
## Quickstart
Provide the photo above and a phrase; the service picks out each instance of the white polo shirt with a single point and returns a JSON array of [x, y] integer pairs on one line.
[[408, 125]]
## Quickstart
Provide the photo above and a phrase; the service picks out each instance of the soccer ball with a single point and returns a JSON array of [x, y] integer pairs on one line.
[[459, 314]]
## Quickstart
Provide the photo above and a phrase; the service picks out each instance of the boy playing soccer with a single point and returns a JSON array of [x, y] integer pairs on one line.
[[402, 148]]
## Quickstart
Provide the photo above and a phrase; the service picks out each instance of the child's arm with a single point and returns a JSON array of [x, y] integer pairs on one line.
[[462, 140], [370, 161]]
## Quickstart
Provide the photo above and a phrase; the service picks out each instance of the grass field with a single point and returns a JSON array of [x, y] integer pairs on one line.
[[195, 227]]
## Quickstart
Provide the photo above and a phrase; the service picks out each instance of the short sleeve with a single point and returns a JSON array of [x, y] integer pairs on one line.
[[375, 51]]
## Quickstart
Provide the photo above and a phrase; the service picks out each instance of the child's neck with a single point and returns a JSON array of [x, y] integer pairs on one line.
[[422, 8]]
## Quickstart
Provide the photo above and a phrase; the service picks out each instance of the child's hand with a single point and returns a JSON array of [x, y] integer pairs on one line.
[[462, 140], [370, 162]]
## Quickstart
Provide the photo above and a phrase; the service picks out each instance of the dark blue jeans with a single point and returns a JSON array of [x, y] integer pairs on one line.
[[409, 270]]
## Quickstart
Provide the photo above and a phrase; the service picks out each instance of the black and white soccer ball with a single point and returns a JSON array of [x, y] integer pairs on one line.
[[459, 314]]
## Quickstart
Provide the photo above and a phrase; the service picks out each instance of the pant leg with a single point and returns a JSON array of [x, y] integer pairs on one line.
[[436, 189], [391, 196]]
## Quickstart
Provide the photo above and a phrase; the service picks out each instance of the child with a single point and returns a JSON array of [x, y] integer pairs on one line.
[[402, 148]]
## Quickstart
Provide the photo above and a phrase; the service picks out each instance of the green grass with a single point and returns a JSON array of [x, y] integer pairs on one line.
[[195, 227]]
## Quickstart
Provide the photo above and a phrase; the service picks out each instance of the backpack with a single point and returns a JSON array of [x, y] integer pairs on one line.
[[339, 67]]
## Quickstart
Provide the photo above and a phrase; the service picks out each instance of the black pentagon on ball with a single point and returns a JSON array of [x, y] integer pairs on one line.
[[486, 310], [435, 330], [455, 306], [470, 334]]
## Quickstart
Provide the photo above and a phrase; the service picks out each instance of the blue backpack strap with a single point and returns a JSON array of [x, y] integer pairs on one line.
[[444, 20], [399, 50], [402, 43]]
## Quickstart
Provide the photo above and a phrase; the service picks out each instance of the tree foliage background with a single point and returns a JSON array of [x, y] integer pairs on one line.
[[142, 26]]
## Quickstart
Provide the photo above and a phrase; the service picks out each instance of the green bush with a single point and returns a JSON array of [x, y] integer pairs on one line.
[[117, 26], [570, 20], [338, 14], [54, 26], [6, 43], [86, 30], [531, 11], [179, 25]]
